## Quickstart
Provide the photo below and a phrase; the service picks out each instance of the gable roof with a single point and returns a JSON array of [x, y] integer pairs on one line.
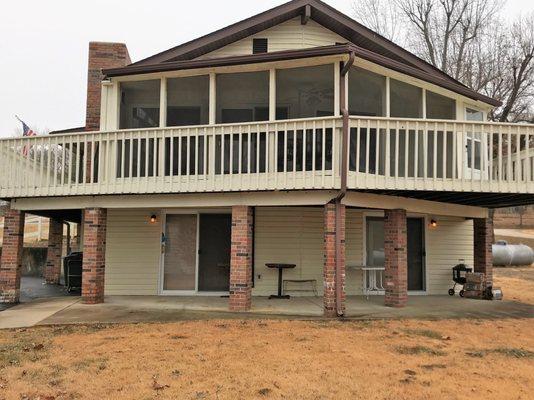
[[327, 16]]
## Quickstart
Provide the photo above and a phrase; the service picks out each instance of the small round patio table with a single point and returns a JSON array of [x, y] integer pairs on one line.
[[280, 268]]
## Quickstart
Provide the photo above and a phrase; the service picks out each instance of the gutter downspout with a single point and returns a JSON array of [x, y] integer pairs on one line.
[[344, 168]]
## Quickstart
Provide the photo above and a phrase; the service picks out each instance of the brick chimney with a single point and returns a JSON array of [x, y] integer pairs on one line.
[[102, 55]]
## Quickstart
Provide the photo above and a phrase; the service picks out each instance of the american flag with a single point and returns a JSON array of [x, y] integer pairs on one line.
[[26, 131]]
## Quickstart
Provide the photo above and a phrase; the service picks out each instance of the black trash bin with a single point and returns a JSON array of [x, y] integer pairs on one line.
[[72, 268]]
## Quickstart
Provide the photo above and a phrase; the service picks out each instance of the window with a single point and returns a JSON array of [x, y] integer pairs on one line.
[[238, 95], [306, 92], [475, 153], [473, 115], [367, 93], [260, 46], [188, 101], [406, 100], [139, 107], [440, 107]]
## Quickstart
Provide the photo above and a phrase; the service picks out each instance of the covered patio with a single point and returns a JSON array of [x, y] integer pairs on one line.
[[137, 309]]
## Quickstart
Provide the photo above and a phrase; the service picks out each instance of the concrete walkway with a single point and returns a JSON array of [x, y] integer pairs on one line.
[[30, 314]]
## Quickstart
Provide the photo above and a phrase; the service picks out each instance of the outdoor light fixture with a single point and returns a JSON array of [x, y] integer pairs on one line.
[[153, 219], [433, 223]]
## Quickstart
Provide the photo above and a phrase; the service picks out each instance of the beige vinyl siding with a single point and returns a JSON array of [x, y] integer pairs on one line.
[[447, 244], [354, 251], [132, 253], [282, 234], [294, 235], [289, 35]]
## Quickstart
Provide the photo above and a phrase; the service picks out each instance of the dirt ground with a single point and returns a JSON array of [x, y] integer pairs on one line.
[[277, 359]]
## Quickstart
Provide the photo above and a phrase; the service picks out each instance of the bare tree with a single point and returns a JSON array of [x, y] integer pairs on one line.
[[381, 17], [468, 40], [517, 92]]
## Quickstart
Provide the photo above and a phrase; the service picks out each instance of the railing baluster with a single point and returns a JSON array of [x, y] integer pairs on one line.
[[416, 153], [444, 158]]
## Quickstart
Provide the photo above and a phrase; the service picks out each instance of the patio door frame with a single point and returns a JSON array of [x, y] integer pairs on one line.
[[380, 214], [195, 292]]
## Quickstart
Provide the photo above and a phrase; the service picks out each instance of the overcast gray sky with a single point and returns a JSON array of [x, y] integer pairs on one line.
[[43, 46]]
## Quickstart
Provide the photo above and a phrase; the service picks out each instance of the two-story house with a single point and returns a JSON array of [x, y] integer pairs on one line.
[[296, 136]]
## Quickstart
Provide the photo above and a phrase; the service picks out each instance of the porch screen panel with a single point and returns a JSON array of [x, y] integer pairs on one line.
[[367, 93], [406, 100], [243, 97], [188, 101], [440, 107], [306, 92], [180, 252], [139, 104]]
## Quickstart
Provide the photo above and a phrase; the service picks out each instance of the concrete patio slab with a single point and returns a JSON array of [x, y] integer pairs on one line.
[[131, 309]]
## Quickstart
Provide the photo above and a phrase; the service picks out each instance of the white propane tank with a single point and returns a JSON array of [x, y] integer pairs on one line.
[[505, 254]]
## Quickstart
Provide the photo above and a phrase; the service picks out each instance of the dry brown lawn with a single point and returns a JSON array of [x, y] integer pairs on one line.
[[273, 359]]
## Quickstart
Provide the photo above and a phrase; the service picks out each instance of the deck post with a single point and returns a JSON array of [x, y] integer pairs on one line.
[[333, 232], [396, 258], [241, 259], [482, 248], [52, 272], [11, 261], [94, 255]]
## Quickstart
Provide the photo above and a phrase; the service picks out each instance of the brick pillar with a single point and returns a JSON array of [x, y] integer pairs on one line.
[[483, 253], [241, 259], [52, 272], [396, 258], [331, 234], [11, 261], [94, 254]]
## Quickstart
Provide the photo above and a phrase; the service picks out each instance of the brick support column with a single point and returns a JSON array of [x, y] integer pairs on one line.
[[11, 261], [241, 259], [396, 258], [331, 234], [94, 254], [52, 272], [483, 253]]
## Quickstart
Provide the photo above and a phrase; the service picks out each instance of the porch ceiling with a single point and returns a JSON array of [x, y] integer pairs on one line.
[[486, 200], [74, 215]]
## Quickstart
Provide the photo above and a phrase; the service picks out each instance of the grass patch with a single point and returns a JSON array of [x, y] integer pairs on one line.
[[21, 349], [428, 333], [86, 363], [503, 351], [416, 350]]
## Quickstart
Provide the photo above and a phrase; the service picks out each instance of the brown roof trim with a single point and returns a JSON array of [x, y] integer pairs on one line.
[[228, 61], [299, 54], [321, 12], [425, 76], [231, 33], [68, 130]]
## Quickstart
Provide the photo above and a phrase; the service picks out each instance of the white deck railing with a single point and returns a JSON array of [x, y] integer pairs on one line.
[[294, 154], [384, 153], [403, 154]]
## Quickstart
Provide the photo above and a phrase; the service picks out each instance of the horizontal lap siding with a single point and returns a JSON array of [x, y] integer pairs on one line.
[[132, 253], [447, 244], [289, 35], [354, 251], [282, 234], [295, 236]]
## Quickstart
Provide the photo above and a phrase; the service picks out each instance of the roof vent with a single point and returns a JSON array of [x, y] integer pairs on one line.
[[260, 46]]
